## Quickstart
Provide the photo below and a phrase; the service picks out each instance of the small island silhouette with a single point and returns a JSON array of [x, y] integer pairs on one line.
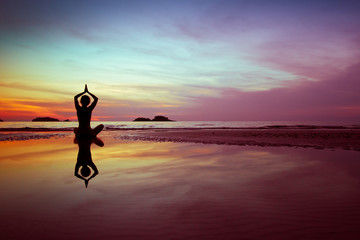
[[155, 119], [1, 120], [45, 119]]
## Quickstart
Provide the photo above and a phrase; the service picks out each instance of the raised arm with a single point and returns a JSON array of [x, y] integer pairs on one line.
[[92, 165], [77, 166], [76, 101], [93, 104]]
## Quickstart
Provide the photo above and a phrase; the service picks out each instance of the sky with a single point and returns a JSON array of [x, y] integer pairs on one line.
[[197, 60]]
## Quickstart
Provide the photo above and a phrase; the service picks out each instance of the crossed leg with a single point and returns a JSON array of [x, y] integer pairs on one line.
[[97, 130]]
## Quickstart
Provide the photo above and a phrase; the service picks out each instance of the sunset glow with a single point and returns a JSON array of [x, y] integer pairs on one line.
[[188, 60]]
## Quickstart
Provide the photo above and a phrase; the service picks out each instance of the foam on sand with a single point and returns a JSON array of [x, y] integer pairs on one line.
[[315, 138], [24, 136]]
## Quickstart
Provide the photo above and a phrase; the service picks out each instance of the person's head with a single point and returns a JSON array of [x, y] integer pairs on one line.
[[85, 100], [85, 171]]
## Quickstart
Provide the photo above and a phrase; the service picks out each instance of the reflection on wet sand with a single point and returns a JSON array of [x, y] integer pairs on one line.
[[84, 164], [166, 190]]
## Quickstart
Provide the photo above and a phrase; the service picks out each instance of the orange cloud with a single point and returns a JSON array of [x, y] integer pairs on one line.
[[13, 109]]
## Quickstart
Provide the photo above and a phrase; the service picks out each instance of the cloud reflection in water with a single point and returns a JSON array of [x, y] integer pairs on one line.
[[181, 190]]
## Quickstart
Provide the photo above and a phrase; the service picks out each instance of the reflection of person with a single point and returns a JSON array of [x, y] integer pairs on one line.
[[84, 115], [84, 159]]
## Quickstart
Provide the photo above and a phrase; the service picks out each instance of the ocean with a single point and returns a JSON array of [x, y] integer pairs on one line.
[[128, 125]]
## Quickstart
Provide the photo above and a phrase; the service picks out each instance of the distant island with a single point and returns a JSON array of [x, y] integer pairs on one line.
[[141, 119], [45, 119], [1, 120], [155, 119]]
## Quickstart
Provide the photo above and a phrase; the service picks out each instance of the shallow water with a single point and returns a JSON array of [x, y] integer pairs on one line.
[[147, 190], [124, 125]]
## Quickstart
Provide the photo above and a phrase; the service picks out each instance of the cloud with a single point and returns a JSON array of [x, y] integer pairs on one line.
[[27, 109], [311, 56], [32, 88], [334, 99]]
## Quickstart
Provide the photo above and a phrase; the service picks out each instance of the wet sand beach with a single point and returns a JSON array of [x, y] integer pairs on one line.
[[314, 138], [179, 190], [291, 136]]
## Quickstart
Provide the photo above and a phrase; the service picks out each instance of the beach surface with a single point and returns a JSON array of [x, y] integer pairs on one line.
[[319, 138], [348, 139], [242, 184]]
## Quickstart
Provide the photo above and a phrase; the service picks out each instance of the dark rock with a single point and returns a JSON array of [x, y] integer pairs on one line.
[[161, 118], [142, 119], [156, 119], [45, 119]]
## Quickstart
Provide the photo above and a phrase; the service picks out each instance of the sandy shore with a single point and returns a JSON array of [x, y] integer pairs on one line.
[[165, 190], [348, 139]]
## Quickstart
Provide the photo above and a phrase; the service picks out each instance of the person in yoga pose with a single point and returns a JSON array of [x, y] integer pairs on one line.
[[85, 136], [84, 115], [84, 164]]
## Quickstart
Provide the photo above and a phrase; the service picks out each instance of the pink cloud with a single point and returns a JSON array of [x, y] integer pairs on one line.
[[305, 56], [337, 98]]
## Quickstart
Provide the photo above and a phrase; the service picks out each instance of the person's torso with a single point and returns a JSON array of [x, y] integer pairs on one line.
[[84, 118]]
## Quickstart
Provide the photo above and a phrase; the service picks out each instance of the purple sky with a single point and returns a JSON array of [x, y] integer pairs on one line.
[[189, 60]]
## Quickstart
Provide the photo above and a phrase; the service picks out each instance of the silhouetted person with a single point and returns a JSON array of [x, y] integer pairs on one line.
[[84, 115], [84, 159]]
